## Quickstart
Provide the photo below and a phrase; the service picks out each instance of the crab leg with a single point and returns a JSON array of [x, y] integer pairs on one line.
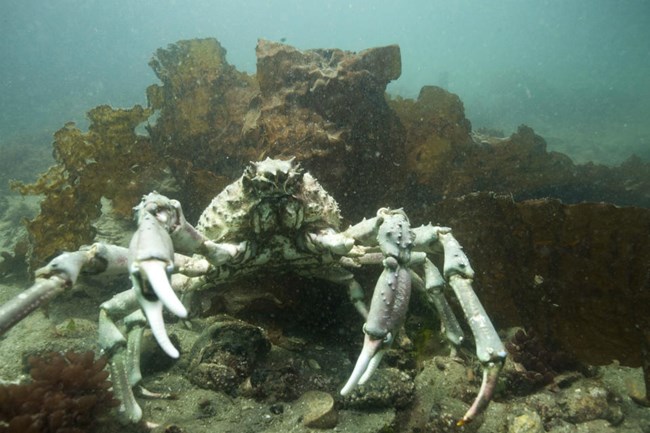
[[433, 285], [124, 353], [489, 348], [60, 274], [151, 261], [162, 228]]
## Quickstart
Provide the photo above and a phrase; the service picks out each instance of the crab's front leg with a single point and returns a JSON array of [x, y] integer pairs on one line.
[[390, 297], [162, 229], [459, 273], [60, 274], [123, 351]]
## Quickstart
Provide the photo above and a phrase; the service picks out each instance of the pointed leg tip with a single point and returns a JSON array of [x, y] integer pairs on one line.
[[130, 415], [169, 349], [174, 354], [348, 387], [182, 314], [641, 400]]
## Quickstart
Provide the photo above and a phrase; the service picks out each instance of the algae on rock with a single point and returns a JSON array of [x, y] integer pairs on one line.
[[201, 106], [110, 160]]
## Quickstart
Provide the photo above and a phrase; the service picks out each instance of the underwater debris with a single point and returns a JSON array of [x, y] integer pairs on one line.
[[68, 393], [592, 259]]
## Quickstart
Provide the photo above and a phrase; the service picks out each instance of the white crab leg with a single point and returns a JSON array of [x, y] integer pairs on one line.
[[153, 311], [489, 348], [151, 260], [60, 274], [156, 274], [153, 291]]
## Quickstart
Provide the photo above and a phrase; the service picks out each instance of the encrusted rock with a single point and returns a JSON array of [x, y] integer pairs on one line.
[[579, 271], [595, 426], [388, 387], [527, 422], [537, 362], [201, 105], [110, 160], [76, 328], [442, 391], [327, 108], [226, 353], [443, 417], [589, 401]]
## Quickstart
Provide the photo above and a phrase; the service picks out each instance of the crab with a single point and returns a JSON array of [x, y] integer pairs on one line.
[[275, 218]]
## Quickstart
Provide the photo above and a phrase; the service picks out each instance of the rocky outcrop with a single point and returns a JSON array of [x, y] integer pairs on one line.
[[574, 273], [447, 159], [324, 107]]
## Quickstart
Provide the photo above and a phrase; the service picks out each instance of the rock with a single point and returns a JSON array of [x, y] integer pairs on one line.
[[546, 404], [528, 422], [441, 389], [388, 387], [444, 376], [438, 136], [588, 401], [495, 418], [76, 328], [368, 422], [579, 271], [327, 108], [280, 378], [201, 105], [435, 123], [595, 426], [444, 415], [226, 353], [317, 409]]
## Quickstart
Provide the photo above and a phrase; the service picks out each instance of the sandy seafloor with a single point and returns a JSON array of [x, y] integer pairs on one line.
[[581, 404]]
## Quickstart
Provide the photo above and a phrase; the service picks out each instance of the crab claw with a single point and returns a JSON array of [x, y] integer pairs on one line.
[[153, 291], [489, 348], [151, 255], [372, 348], [387, 311], [155, 273]]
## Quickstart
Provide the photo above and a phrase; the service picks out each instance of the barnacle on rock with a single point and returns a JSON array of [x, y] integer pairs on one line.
[[68, 393]]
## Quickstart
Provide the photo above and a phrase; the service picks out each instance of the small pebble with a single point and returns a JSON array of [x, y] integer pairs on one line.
[[318, 410], [313, 364]]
